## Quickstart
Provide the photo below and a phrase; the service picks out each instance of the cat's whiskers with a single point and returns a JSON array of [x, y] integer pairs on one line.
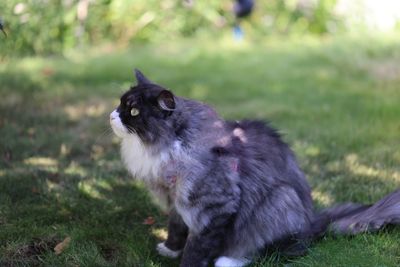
[[130, 129], [107, 132]]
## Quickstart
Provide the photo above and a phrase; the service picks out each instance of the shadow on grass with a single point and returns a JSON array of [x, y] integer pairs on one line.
[[103, 215], [61, 177]]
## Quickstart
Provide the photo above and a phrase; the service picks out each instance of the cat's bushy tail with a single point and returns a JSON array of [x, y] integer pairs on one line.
[[351, 218]]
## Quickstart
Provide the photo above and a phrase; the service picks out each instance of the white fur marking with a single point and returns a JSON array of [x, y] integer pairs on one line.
[[139, 160], [231, 262], [142, 162], [166, 252]]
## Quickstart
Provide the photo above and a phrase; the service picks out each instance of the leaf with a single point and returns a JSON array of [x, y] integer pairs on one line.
[[60, 247], [149, 221]]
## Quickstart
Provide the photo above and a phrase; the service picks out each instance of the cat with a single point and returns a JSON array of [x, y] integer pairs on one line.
[[232, 188]]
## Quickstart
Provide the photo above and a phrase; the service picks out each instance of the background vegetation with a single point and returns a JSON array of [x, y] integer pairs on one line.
[[332, 93], [44, 27]]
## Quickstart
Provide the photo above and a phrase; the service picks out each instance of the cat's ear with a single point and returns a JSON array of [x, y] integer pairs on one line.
[[141, 79], [166, 100]]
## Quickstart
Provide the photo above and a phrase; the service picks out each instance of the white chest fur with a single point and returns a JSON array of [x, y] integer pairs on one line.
[[141, 161], [149, 167]]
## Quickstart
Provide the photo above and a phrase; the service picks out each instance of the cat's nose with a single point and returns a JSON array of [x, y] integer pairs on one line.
[[112, 115]]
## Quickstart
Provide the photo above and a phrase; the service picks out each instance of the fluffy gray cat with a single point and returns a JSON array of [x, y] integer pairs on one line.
[[232, 189]]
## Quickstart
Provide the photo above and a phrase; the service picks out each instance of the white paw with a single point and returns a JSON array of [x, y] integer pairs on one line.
[[166, 252], [231, 262]]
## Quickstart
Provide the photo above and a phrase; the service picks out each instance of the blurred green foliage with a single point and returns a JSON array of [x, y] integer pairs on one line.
[[45, 27]]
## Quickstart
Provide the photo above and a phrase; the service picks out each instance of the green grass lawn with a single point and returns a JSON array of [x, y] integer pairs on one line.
[[337, 101]]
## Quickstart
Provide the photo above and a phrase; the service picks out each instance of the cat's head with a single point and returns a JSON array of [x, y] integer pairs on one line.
[[145, 111]]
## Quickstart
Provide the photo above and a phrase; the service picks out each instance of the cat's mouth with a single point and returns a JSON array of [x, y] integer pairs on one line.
[[117, 126]]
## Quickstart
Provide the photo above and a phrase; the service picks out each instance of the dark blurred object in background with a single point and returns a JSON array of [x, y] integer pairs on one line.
[[2, 27], [243, 8]]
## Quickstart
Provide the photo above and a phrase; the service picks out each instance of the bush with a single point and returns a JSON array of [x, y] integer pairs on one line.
[[44, 26]]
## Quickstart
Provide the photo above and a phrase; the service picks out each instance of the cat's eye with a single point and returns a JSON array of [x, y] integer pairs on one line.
[[134, 112]]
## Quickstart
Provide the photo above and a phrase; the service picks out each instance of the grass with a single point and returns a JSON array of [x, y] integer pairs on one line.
[[336, 100]]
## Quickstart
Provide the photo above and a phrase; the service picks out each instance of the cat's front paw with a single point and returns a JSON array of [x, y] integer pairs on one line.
[[166, 252]]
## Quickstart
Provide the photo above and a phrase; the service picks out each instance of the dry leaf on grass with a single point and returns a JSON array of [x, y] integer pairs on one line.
[[60, 247], [149, 221], [35, 190]]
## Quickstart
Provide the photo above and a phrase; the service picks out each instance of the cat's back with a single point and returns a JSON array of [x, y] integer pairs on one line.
[[256, 140], [266, 162]]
